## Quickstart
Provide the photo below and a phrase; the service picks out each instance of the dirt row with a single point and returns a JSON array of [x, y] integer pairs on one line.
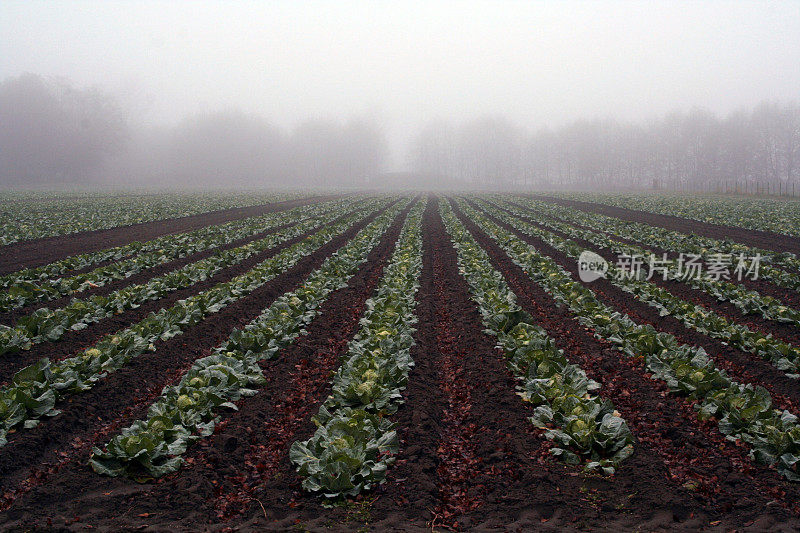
[[740, 365], [787, 332], [469, 458], [87, 412], [10, 317], [214, 487], [761, 239], [74, 341], [33, 253], [684, 473], [790, 297]]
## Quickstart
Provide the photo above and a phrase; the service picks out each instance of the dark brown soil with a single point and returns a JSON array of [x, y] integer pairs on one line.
[[741, 366], [787, 332], [469, 458], [221, 478], [39, 252], [788, 296], [675, 453], [761, 239], [74, 341]]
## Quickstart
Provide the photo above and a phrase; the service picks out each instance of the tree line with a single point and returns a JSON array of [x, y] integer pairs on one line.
[[52, 133], [695, 149]]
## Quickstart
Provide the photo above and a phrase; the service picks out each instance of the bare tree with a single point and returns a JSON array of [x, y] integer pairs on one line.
[[695, 150], [52, 133]]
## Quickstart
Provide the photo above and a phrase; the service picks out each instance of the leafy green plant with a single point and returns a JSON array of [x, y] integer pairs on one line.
[[189, 410], [585, 427], [112, 352], [353, 444], [742, 411], [349, 454], [27, 288]]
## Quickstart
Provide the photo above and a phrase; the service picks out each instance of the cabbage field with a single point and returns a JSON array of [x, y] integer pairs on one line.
[[407, 362]]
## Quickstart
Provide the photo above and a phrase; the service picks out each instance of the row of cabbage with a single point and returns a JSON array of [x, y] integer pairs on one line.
[[778, 216], [34, 391], [189, 410], [785, 356], [45, 325], [26, 219], [746, 300], [779, 268], [742, 411], [83, 261], [24, 291], [584, 427], [355, 442]]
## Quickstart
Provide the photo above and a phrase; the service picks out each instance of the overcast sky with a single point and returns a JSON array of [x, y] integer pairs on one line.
[[539, 63]]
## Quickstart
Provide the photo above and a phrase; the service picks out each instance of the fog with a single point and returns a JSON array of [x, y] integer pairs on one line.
[[488, 94]]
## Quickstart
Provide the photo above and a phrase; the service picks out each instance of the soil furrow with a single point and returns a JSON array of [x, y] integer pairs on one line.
[[265, 426], [27, 254], [74, 341], [490, 459], [741, 366], [84, 412], [684, 473], [410, 491], [761, 239]]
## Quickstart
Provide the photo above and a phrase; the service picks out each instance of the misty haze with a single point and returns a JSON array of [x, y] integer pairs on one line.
[[383, 266]]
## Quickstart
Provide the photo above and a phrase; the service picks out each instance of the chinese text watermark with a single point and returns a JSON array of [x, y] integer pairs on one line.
[[687, 266]]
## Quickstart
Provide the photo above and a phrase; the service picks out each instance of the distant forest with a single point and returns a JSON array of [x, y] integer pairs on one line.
[[53, 134], [693, 150]]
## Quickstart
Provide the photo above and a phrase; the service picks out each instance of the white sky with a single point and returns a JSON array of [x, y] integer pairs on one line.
[[539, 63]]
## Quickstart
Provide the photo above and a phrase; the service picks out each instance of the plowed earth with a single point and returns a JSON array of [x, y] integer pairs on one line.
[[469, 459], [762, 239], [39, 252]]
